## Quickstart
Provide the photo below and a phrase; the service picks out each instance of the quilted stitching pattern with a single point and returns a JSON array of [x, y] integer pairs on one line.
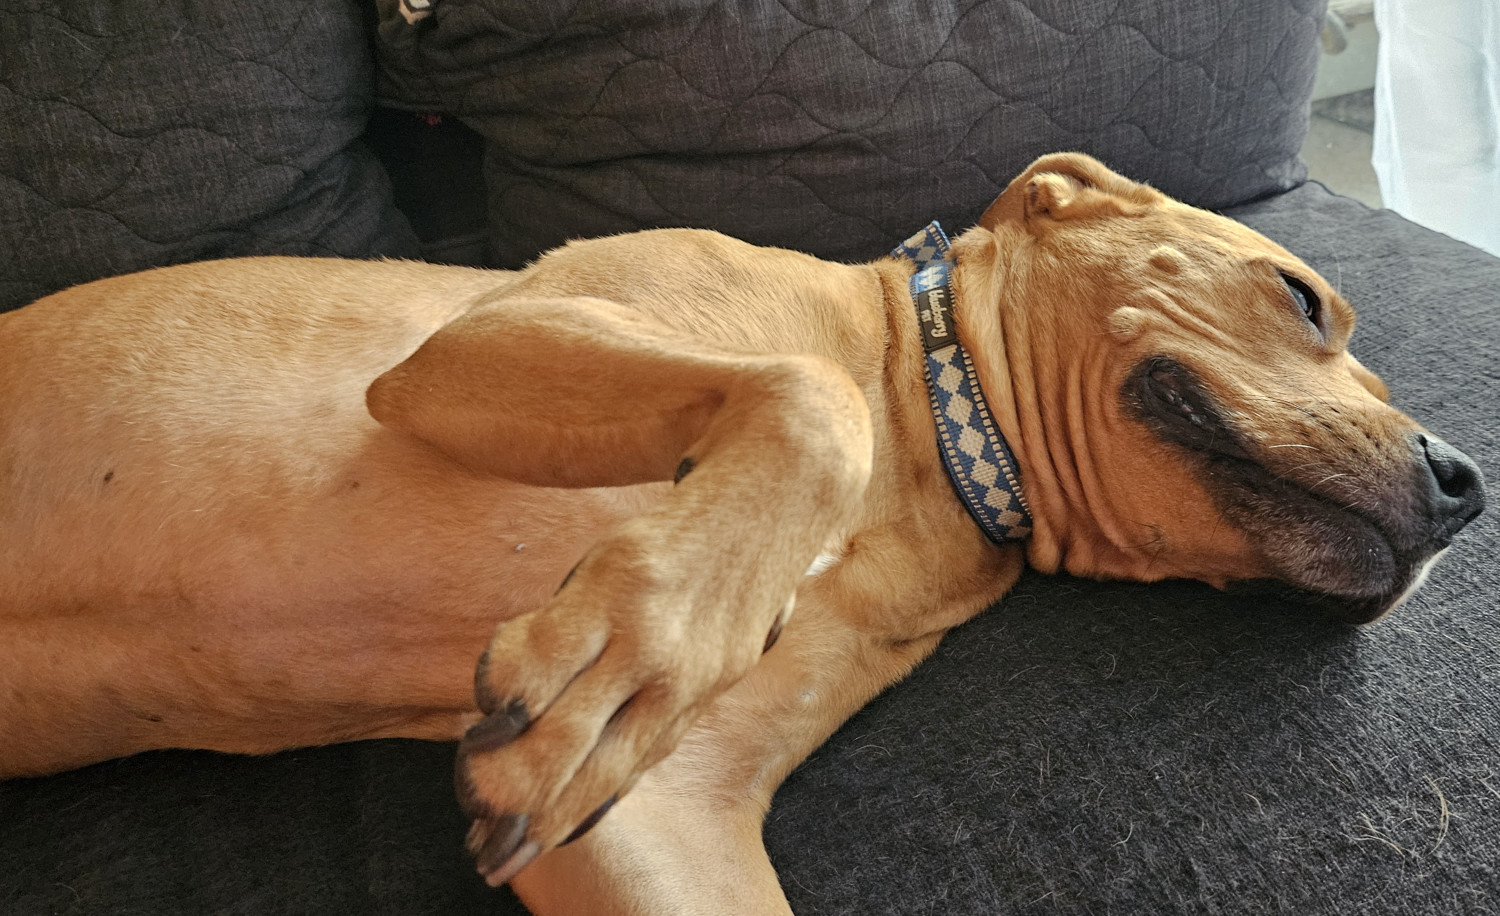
[[835, 127], [148, 133]]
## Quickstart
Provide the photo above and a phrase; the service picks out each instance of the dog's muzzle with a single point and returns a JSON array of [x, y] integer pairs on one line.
[[1355, 553]]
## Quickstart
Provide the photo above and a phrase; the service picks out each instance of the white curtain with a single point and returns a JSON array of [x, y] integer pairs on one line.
[[1437, 115]]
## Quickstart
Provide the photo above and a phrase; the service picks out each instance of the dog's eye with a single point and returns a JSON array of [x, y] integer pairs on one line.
[[1306, 300]]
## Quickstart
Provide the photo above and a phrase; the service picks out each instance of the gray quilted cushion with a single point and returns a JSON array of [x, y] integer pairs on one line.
[[838, 127], [144, 134]]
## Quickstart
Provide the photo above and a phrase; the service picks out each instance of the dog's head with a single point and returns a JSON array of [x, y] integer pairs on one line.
[[1184, 405]]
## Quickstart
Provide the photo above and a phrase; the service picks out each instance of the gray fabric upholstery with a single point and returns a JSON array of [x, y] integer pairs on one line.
[[1083, 748], [138, 135], [836, 127]]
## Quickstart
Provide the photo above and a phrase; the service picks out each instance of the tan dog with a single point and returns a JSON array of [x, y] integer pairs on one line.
[[250, 505]]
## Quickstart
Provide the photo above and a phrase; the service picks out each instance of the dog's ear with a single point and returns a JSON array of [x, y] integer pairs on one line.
[[1067, 186]]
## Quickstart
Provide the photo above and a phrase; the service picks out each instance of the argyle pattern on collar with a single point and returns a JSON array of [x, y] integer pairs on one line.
[[979, 461]]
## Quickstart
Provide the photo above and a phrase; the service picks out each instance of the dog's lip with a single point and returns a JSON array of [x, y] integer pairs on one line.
[[1180, 410], [1353, 611], [1364, 531], [1408, 568]]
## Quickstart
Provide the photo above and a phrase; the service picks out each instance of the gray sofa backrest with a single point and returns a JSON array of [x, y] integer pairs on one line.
[[839, 128], [134, 136]]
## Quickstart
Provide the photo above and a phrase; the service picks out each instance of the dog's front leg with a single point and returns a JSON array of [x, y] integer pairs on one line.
[[771, 454], [687, 840]]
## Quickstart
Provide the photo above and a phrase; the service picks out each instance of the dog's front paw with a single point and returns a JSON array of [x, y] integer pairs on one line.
[[583, 696]]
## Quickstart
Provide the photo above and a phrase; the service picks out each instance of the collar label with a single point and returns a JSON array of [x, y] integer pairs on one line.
[[935, 314]]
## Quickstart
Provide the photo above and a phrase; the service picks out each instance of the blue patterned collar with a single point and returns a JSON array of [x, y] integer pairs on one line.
[[979, 461]]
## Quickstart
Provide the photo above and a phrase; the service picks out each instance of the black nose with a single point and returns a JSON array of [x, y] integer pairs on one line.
[[1457, 486]]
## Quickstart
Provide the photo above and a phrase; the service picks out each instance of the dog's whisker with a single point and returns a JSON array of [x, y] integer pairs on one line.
[[1310, 464], [1328, 478]]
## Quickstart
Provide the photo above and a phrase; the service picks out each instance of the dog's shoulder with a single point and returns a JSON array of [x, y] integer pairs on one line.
[[736, 293]]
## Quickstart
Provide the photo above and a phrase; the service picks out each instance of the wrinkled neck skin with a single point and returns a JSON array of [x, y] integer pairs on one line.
[[1054, 385]]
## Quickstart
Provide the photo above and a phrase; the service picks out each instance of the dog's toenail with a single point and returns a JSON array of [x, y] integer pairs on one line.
[[568, 578], [496, 730], [500, 842], [774, 635], [513, 866], [591, 820], [475, 835], [684, 469], [484, 694]]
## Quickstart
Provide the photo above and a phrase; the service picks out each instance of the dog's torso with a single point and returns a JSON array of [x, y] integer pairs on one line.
[[192, 469]]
